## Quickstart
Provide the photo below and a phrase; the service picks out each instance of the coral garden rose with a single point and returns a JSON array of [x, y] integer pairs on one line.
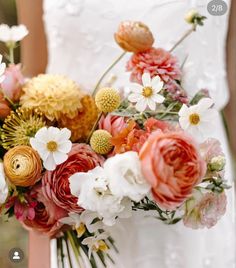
[[13, 82], [55, 184], [134, 36], [113, 124], [172, 165], [155, 61], [46, 215], [204, 210]]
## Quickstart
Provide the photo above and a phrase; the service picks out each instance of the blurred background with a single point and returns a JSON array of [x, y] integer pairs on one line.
[[12, 235]]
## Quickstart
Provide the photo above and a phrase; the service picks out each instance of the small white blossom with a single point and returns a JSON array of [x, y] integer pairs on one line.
[[125, 176], [146, 95], [3, 185], [2, 69], [96, 243], [198, 119], [12, 34], [53, 145]]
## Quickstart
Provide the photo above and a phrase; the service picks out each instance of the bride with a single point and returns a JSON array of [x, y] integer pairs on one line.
[[79, 35]]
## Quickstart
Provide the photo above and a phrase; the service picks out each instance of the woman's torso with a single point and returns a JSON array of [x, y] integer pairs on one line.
[[81, 44]]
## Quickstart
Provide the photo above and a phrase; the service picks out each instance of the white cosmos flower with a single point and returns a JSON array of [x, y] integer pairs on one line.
[[92, 190], [96, 242], [12, 34], [146, 95], [3, 185], [53, 145], [80, 221], [2, 69], [198, 119], [125, 176]]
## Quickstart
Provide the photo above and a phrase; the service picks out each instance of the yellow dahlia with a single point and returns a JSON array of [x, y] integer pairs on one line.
[[20, 126], [81, 125], [53, 95], [107, 100], [22, 166], [101, 141]]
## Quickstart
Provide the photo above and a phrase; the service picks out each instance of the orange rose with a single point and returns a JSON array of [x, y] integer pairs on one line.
[[173, 166], [134, 36]]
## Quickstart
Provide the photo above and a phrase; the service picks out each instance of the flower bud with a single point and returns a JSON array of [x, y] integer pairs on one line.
[[217, 163], [191, 16]]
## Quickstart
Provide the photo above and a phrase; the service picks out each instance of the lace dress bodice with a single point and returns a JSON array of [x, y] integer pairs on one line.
[[81, 44]]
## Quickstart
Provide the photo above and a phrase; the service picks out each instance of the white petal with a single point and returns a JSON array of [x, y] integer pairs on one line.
[[18, 32], [146, 80], [184, 122], [63, 135], [5, 33], [151, 104], [157, 84], [210, 115], [40, 148], [53, 132], [2, 78], [158, 98], [134, 87], [204, 104], [59, 157], [141, 105], [49, 163], [42, 135], [76, 181], [2, 68], [184, 110], [134, 97], [65, 147]]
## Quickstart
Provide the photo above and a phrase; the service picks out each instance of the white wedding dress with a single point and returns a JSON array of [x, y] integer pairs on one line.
[[81, 45]]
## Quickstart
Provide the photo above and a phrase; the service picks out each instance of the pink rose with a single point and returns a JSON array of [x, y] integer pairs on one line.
[[172, 165], [204, 210], [47, 215], [13, 82], [113, 124], [55, 184]]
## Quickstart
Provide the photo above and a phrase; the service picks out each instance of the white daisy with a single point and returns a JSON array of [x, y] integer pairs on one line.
[[2, 69], [198, 119], [12, 34], [146, 94], [53, 145]]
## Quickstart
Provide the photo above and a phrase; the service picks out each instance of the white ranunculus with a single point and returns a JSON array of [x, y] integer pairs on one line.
[[12, 34], [3, 185], [92, 190], [125, 176]]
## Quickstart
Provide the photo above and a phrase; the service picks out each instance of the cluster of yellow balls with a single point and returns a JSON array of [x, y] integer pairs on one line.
[[107, 100]]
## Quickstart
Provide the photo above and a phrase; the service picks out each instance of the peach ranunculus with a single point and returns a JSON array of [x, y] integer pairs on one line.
[[55, 184], [46, 215], [13, 82], [113, 124], [173, 166], [134, 36]]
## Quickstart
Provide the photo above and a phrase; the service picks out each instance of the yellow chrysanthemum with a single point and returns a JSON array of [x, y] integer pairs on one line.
[[107, 100], [53, 95], [101, 141], [81, 125], [20, 126]]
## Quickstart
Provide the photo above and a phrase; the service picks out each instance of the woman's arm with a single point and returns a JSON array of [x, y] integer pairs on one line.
[[230, 111], [33, 47]]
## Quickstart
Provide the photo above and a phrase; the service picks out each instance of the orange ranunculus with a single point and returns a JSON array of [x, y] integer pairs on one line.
[[134, 36], [172, 165]]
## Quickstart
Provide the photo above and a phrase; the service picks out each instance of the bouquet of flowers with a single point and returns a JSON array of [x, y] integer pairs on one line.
[[74, 163]]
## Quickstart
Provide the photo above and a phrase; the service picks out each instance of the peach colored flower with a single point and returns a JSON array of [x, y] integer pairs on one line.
[[204, 210], [12, 84], [172, 165], [134, 36], [55, 184], [155, 61], [47, 215], [113, 124], [5, 109]]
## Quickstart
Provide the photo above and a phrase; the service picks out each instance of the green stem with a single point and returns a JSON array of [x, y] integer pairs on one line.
[[75, 249], [68, 252], [106, 72], [94, 127], [186, 34], [11, 54]]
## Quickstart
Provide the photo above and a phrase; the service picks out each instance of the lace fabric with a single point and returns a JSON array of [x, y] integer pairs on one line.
[[81, 45]]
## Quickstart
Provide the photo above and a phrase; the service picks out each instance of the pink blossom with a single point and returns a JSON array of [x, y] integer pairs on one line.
[[12, 84], [204, 210], [155, 61], [210, 149], [113, 124]]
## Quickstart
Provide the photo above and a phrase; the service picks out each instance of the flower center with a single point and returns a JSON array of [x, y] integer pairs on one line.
[[194, 119], [147, 92], [52, 146]]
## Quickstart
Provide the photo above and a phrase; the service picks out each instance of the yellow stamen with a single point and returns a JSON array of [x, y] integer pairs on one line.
[[101, 245], [80, 230], [147, 92], [52, 146], [194, 119]]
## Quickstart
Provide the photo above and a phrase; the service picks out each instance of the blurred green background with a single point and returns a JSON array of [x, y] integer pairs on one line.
[[12, 235]]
